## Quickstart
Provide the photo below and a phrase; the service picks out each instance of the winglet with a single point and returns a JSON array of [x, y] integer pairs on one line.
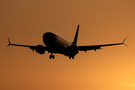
[[124, 41], [76, 36], [8, 42]]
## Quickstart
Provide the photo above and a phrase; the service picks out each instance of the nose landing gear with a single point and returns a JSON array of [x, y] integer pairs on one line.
[[51, 56]]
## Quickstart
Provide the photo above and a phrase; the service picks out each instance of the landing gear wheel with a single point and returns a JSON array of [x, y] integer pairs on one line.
[[51, 56], [71, 57]]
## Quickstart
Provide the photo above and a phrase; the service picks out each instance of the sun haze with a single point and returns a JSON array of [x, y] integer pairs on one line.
[[101, 22]]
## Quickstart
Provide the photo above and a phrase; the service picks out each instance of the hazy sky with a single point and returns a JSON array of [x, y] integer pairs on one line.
[[101, 22]]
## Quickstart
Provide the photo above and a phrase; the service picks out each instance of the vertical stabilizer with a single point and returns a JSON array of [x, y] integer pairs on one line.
[[76, 37]]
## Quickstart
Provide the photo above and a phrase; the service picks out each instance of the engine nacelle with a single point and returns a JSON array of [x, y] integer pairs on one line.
[[73, 50], [40, 49]]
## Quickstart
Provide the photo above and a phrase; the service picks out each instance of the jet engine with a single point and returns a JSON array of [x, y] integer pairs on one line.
[[73, 50], [40, 49]]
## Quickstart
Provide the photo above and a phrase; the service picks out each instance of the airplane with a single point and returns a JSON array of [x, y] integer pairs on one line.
[[55, 44]]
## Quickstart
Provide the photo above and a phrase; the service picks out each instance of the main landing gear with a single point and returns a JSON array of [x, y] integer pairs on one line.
[[71, 57], [51, 56]]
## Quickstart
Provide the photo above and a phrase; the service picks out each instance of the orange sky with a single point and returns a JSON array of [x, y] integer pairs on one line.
[[101, 22]]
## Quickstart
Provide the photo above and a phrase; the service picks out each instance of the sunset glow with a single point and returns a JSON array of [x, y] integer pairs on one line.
[[101, 22]]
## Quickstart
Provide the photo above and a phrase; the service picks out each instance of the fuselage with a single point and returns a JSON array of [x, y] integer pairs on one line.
[[56, 43], [51, 39]]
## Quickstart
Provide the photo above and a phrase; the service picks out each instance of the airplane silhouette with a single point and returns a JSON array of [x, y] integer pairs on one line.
[[55, 44]]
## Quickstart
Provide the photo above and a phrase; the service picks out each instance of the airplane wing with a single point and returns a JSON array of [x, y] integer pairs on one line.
[[30, 46], [95, 47]]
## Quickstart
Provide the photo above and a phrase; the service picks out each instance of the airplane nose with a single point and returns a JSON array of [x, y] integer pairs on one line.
[[48, 38]]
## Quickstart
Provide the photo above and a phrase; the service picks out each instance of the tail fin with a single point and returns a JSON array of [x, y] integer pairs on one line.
[[8, 42], [76, 37]]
